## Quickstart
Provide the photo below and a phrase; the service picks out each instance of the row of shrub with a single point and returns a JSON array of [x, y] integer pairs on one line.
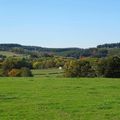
[[14, 67], [84, 67], [23, 72], [107, 67], [54, 62], [40, 63]]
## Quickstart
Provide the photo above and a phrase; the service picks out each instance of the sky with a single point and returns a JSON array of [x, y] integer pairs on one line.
[[60, 23]]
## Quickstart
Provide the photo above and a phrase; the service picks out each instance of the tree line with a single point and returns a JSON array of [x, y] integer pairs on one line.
[[100, 51], [83, 67], [112, 45], [106, 67]]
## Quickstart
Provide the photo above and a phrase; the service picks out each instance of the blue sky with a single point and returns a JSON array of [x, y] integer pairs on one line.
[[60, 23]]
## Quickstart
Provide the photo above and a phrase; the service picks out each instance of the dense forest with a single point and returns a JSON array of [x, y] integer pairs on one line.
[[99, 51], [112, 45]]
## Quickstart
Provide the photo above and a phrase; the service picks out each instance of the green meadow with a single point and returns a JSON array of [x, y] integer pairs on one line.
[[10, 54], [52, 72], [54, 98]]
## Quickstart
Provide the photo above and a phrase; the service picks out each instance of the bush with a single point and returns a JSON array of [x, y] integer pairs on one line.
[[79, 69], [109, 67], [13, 67], [15, 63], [25, 72], [38, 65], [14, 73], [1, 73], [72, 69]]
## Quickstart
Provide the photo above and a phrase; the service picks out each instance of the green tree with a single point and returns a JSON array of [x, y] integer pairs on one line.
[[26, 72], [79, 68], [11, 66], [110, 67], [14, 73], [72, 69]]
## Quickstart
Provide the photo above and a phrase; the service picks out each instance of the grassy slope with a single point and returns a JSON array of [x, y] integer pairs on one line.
[[10, 54], [54, 72], [59, 99]]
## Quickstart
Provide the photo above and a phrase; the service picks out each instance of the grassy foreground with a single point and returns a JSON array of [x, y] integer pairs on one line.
[[59, 99]]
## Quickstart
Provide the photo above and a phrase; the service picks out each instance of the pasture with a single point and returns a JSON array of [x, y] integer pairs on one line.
[[54, 72], [9, 54], [59, 98]]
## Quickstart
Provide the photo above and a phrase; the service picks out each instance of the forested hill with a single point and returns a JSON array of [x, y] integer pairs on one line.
[[99, 51], [112, 45], [32, 48]]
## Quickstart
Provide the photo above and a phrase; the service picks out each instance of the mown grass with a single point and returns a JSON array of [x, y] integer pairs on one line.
[[59, 99], [55, 72]]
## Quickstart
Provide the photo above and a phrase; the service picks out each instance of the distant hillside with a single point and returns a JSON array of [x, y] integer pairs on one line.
[[112, 45], [100, 51]]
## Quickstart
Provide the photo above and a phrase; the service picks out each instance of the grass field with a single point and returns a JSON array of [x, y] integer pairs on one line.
[[12, 54], [59, 99], [9, 54], [48, 73]]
